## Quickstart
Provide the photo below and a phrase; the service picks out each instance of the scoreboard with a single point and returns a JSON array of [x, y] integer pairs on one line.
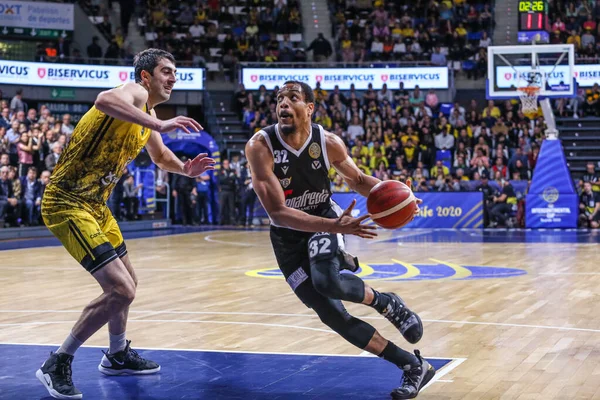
[[533, 21]]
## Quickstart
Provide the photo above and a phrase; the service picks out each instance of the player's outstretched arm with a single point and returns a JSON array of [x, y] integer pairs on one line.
[[125, 103], [168, 161], [269, 192], [345, 166]]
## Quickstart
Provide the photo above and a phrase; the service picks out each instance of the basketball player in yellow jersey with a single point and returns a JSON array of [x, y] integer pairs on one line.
[[107, 138]]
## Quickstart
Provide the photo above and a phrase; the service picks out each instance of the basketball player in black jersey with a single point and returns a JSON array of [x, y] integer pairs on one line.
[[290, 162]]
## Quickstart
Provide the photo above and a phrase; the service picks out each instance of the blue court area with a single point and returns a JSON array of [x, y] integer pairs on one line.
[[210, 376]]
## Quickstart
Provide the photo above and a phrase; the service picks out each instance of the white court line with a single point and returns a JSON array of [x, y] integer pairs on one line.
[[439, 374], [210, 238], [445, 370], [568, 273], [221, 351], [181, 321], [142, 269], [455, 362], [439, 321]]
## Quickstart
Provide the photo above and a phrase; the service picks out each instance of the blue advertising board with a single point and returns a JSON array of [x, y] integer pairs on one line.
[[439, 210], [552, 201]]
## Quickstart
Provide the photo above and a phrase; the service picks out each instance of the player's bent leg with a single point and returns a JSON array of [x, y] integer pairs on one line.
[[416, 371], [121, 359], [325, 264], [117, 324], [118, 292], [415, 377], [416, 374], [395, 310]]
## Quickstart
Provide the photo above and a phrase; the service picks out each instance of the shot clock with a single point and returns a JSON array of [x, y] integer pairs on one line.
[[533, 21]]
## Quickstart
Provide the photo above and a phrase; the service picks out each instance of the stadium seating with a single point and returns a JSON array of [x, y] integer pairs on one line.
[[445, 33], [219, 36]]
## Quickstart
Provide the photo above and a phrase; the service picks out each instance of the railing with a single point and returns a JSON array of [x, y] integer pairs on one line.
[[211, 118], [166, 200]]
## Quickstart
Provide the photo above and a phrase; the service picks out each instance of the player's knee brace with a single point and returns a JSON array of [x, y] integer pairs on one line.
[[325, 278], [326, 261], [354, 330]]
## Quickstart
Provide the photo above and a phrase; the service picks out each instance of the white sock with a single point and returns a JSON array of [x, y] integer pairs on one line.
[[70, 345], [117, 342]]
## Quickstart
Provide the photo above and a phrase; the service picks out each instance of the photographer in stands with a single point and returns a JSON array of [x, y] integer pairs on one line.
[[8, 201], [502, 205], [589, 207]]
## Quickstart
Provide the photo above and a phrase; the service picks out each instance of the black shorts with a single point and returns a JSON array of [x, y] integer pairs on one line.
[[292, 252]]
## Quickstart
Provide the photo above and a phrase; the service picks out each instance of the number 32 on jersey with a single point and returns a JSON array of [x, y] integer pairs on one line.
[[280, 156]]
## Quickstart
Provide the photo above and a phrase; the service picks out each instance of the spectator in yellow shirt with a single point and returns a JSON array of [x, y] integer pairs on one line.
[[491, 110], [378, 158], [397, 31], [411, 153], [375, 148], [201, 15], [360, 150], [460, 29], [574, 39], [270, 56], [338, 185], [362, 167], [322, 118], [439, 168], [407, 31], [410, 134], [319, 92]]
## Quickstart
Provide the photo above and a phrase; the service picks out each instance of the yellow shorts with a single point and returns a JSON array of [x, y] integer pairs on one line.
[[89, 233]]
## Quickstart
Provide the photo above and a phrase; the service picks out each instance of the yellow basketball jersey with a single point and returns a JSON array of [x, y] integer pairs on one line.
[[93, 161]]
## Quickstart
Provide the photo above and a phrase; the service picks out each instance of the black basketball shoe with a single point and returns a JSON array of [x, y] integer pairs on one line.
[[416, 376], [55, 375], [408, 323], [126, 362]]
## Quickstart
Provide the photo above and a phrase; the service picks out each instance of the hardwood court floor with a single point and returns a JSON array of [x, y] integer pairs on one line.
[[528, 328]]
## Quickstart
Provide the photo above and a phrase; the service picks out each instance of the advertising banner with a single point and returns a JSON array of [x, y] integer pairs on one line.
[[424, 77], [439, 210], [552, 201], [85, 76], [37, 15], [585, 74]]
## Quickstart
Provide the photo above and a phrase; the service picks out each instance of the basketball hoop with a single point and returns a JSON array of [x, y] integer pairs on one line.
[[529, 96], [530, 85]]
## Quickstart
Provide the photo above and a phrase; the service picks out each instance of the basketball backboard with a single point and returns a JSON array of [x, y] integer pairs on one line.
[[511, 67]]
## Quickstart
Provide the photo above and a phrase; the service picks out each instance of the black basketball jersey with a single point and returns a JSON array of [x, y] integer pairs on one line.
[[304, 173]]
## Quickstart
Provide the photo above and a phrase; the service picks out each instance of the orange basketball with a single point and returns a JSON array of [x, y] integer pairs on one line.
[[391, 204]]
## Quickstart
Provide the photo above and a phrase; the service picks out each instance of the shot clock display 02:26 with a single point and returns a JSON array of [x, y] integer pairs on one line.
[[533, 6], [533, 15]]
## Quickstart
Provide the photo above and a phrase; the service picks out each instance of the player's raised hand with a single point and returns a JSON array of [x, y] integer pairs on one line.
[[184, 123], [200, 164], [346, 223]]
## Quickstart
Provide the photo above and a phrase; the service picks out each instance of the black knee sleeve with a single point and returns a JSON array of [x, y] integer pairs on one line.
[[325, 264], [354, 330]]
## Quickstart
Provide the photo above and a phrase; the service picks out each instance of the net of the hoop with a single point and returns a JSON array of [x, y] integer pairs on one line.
[[529, 87]]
